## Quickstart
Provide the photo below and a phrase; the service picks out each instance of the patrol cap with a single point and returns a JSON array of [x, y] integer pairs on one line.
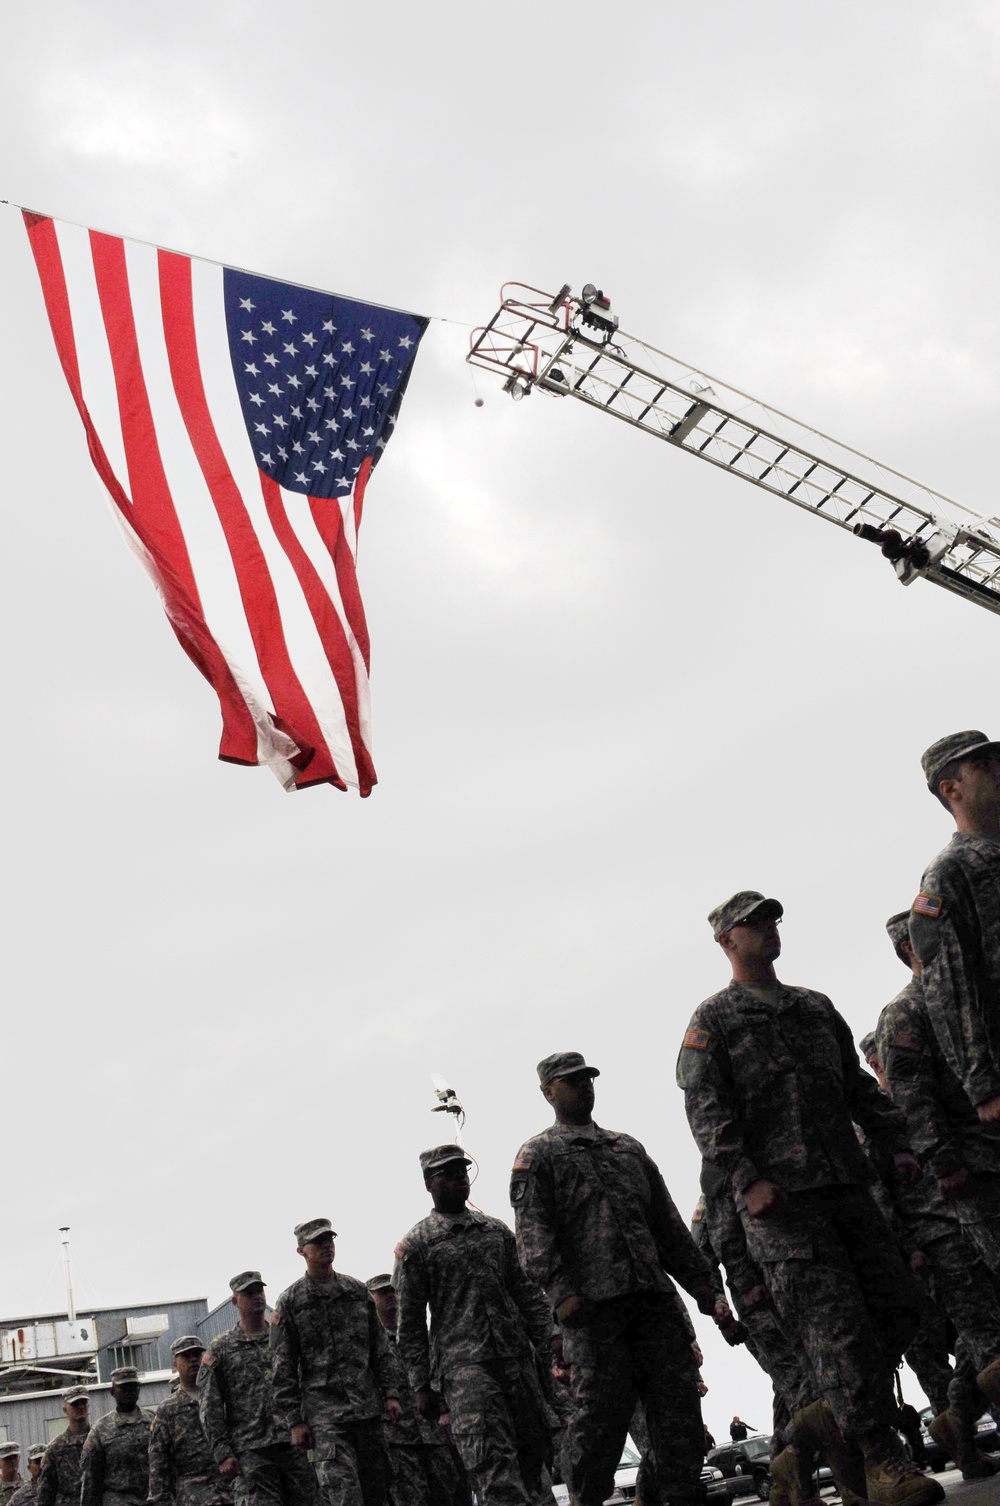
[[186, 1343], [947, 749], [124, 1374], [741, 906], [867, 1046], [244, 1279], [9, 1450], [563, 1064], [442, 1155], [898, 928], [37, 1451], [313, 1229], [76, 1393], [379, 1283]]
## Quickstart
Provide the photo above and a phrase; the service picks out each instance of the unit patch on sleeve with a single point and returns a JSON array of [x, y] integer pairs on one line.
[[697, 1040], [928, 904]]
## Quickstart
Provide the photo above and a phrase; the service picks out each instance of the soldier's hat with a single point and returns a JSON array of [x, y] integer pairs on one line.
[[442, 1155], [186, 1344], [740, 906], [313, 1229], [947, 749], [379, 1283], [898, 928], [37, 1451], [9, 1450], [124, 1373], [76, 1393], [563, 1064], [867, 1046], [244, 1279]]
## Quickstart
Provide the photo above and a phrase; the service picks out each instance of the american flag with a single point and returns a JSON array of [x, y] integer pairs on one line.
[[235, 421]]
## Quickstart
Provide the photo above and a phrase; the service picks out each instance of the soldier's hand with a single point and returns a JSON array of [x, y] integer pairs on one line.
[[393, 1411], [989, 1112], [918, 1261], [765, 1198], [573, 1311], [953, 1185], [907, 1166], [302, 1435], [728, 1325], [230, 1468], [756, 1296], [699, 1358]]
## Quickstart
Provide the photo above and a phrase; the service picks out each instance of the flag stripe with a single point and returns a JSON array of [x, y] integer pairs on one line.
[[307, 649], [328, 625], [333, 530], [256, 586], [239, 743]]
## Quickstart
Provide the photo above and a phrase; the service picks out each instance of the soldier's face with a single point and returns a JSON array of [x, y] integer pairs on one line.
[[449, 1187], [387, 1307], [755, 939], [251, 1302], [8, 1467], [78, 1414], [978, 783], [318, 1255], [187, 1365], [126, 1395], [572, 1097]]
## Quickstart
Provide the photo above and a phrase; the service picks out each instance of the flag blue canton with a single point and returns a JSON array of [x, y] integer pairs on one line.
[[320, 379]]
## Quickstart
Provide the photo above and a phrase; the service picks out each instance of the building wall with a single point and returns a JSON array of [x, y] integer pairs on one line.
[[36, 1418]]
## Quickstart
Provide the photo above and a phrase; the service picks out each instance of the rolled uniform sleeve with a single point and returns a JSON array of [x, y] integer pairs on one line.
[[704, 1075], [409, 1277], [212, 1407], [92, 1465], [286, 1374], [946, 936]]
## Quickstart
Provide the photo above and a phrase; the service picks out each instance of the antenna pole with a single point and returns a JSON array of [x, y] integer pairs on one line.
[[70, 1307]]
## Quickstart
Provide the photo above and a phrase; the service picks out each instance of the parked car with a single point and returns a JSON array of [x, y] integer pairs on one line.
[[987, 1438], [745, 1466], [625, 1480]]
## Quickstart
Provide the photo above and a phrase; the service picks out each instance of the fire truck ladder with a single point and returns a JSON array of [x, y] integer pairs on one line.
[[571, 346]]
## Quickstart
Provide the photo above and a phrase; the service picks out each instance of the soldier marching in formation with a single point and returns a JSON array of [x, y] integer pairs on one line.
[[853, 1220]]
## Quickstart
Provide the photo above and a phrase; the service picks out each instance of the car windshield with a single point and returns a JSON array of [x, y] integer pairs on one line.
[[628, 1459], [754, 1447]]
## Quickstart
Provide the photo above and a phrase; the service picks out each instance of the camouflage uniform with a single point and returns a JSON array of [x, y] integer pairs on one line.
[[237, 1409], [182, 1468], [114, 1469], [59, 1481], [484, 1317], [422, 1468], [772, 1090], [9, 1489], [944, 1128], [25, 1494], [332, 1370], [594, 1219]]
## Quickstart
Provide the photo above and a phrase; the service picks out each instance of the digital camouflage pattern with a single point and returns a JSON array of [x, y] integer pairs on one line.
[[946, 1132], [594, 1219], [9, 1489], [59, 1481], [955, 931], [182, 1469], [774, 1091], [236, 1395], [114, 1469], [464, 1268], [417, 1477], [25, 1493], [330, 1352], [500, 1428], [275, 1476]]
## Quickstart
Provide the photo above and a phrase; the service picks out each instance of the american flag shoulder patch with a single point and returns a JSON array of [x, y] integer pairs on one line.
[[907, 1040], [930, 905], [208, 1359], [697, 1040], [275, 1318], [523, 1163], [400, 1250]]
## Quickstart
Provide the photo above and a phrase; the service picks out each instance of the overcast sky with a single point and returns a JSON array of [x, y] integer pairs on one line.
[[611, 686]]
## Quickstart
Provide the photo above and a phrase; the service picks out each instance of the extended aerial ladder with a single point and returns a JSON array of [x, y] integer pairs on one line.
[[571, 346]]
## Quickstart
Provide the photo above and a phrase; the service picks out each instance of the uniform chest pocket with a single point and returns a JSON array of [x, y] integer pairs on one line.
[[818, 1046], [758, 1050]]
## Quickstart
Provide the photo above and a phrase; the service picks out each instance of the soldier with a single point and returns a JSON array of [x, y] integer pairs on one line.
[[59, 1479], [955, 921], [10, 1471], [597, 1230], [25, 1495], [114, 1470], [332, 1373], [773, 1087], [236, 1404], [484, 1318], [182, 1470], [423, 1468]]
